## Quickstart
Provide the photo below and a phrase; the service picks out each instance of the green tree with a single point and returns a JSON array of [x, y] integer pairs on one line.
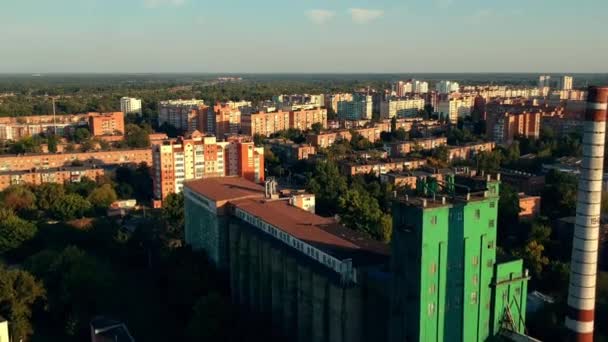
[[211, 319], [508, 211], [103, 196], [532, 253], [361, 212], [79, 286], [316, 127], [81, 134], [136, 137], [52, 142], [69, 207], [47, 193], [18, 198], [14, 231], [173, 214], [328, 185], [19, 291]]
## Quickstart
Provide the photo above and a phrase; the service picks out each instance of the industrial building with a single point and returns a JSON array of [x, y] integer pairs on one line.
[[316, 280]]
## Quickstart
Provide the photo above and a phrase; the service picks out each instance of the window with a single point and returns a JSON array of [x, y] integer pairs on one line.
[[491, 224], [475, 279], [492, 204], [473, 297], [477, 214], [490, 244], [433, 268], [431, 309], [434, 219], [432, 289], [475, 260]]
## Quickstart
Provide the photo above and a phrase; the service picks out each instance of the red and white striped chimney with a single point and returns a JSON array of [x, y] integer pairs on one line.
[[583, 267]]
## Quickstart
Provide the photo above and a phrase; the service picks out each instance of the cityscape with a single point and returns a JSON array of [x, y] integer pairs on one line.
[[315, 172]]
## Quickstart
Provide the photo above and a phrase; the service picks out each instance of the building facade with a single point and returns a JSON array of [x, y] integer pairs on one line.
[[63, 175], [401, 108], [130, 105], [447, 285], [359, 108], [199, 156], [181, 114], [102, 124]]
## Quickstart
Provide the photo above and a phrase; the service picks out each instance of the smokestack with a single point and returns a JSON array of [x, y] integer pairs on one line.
[[583, 269]]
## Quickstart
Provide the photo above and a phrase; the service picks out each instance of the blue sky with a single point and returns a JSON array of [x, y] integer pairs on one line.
[[303, 36]]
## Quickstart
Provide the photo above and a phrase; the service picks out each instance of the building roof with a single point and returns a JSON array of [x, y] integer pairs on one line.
[[225, 188], [322, 232]]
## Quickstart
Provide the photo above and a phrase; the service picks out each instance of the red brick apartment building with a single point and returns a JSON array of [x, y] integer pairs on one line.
[[102, 124], [55, 175], [505, 122], [199, 156], [401, 148], [223, 120], [26, 162], [469, 151], [379, 167], [265, 124]]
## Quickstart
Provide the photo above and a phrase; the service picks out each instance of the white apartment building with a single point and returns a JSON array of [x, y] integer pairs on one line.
[[446, 87], [456, 108], [360, 108], [420, 87], [130, 105], [566, 83], [182, 114], [544, 81], [400, 108]]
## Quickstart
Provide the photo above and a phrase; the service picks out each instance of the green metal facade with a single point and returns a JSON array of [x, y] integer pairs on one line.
[[205, 230], [511, 286], [443, 261]]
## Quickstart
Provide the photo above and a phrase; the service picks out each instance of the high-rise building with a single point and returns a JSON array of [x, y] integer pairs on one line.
[[446, 87], [107, 123], [544, 81], [565, 82], [504, 127], [331, 101], [360, 108], [199, 156], [447, 284], [455, 108], [130, 105], [403, 88], [420, 87], [181, 114], [401, 108], [223, 120]]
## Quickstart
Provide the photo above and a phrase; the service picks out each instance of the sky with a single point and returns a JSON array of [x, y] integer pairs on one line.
[[303, 36]]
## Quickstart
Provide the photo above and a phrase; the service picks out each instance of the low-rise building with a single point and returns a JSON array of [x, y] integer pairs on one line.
[[290, 151], [24, 162], [63, 175], [470, 150], [401, 148], [379, 167], [523, 181]]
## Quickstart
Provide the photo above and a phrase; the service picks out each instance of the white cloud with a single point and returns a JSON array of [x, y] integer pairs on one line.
[[320, 16], [160, 3], [364, 16]]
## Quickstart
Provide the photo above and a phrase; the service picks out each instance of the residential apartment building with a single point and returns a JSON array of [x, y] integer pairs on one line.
[[304, 119], [224, 119], [327, 138], [62, 175], [401, 148], [130, 105], [199, 156], [456, 108], [544, 81], [359, 108], [290, 151], [565, 82], [470, 150], [420, 87], [15, 128], [447, 87], [107, 123], [379, 167], [88, 159], [267, 123], [264, 123], [331, 101], [401, 108], [181, 114], [503, 127]]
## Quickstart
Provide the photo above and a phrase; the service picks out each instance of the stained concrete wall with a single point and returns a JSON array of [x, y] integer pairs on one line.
[[303, 300]]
